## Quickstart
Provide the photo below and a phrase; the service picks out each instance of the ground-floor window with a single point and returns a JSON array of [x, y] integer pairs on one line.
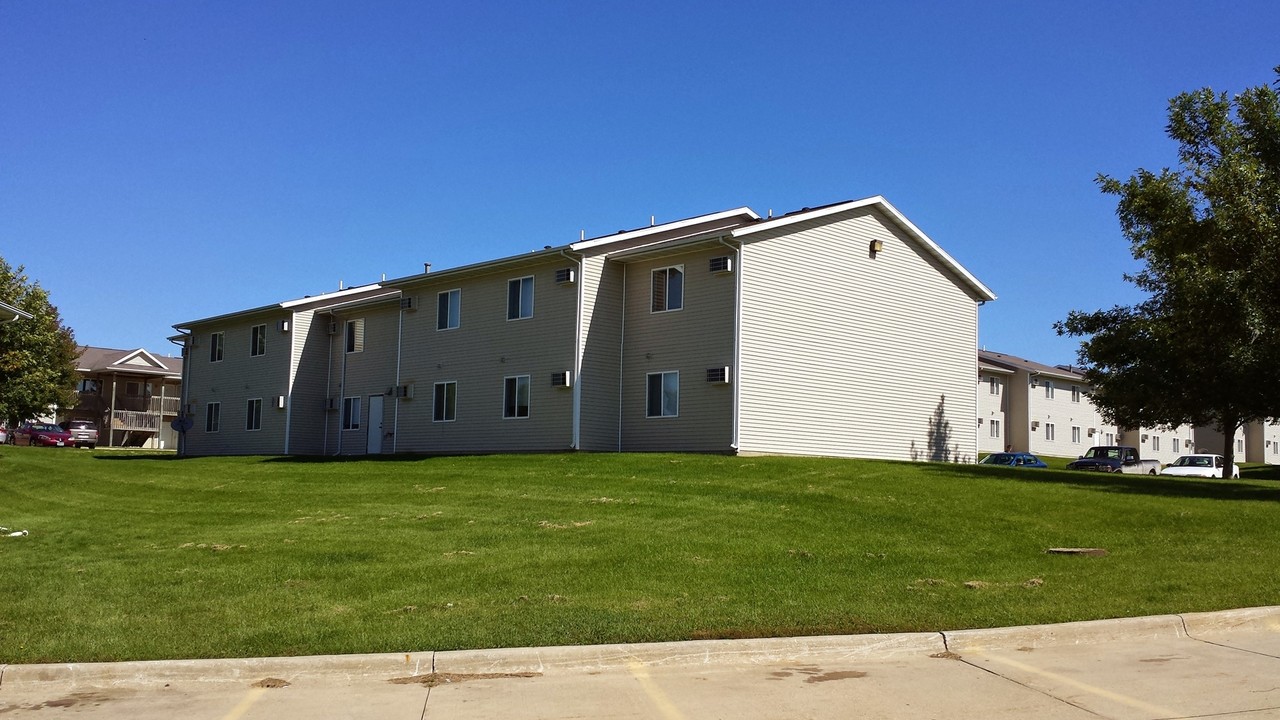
[[1048, 431], [515, 397], [1075, 435], [445, 405], [212, 417], [663, 393], [253, 415], [351, 413], [995, 428]]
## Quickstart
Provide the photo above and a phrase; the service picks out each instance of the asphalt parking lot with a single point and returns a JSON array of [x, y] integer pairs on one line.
[[1175, 666]]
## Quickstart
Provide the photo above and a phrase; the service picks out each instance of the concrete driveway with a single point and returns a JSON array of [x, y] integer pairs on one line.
[[1175, 666]]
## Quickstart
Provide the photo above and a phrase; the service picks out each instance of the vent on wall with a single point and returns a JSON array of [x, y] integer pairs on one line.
[[333, 327], [565, 276], [718, 375], [562, 379], [722, 264], [405, 392], [409, 303]]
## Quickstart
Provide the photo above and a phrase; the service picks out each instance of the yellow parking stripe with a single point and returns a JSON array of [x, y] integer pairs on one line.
[[238, 711], [1086, 687], [659, 698]]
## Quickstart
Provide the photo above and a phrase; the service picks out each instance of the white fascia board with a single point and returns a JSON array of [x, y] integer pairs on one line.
[[379, 299], [672, 244], [665, 227], [287, 304], [144, 354], [983, 292], [982, 367]]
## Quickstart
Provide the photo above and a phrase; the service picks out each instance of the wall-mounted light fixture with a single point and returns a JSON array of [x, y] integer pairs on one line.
[[876, 246]]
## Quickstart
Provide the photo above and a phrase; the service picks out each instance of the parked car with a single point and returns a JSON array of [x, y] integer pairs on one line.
[[1115, 459], [38, 433], [1013, 459], [84, 433], [1205, 466]]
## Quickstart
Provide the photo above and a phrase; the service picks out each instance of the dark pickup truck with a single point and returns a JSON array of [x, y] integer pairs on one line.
[[1115, 459]]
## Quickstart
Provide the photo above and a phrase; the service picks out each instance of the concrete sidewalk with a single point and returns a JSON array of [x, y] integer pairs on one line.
[[1174, 666]]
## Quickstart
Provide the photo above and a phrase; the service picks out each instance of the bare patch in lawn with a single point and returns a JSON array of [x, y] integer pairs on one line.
[[548, 525]]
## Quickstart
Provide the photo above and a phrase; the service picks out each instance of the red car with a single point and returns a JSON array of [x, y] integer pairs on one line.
[[41, 434]]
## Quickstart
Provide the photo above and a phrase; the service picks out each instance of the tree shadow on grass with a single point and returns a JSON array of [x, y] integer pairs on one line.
[[1249, 487]]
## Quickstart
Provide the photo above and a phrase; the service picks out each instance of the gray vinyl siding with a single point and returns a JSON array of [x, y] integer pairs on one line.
[[845, 354], [232, 382], [309, 372], [601, 353], [479, 354], [690, 340], [371, 371]]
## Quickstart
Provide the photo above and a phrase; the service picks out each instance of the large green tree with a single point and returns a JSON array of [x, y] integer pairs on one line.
[[37, 356], [1204, 347]]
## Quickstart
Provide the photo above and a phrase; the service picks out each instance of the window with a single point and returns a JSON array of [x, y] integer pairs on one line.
[[993, 385], [215, 347], [355, 336], [1239, 445], [668, 288], [1075, 435], [1075, 393], [1111, 439], [133, 389], [1155, 443], [1048, 431], [1175, 444], [520, 298], [351, 413], [212, 417], [515, 397], [663, 395], [253, 415], [995, 429], [258, 341], [1048, 389], [446, 402], [87, 385], [448, 310]]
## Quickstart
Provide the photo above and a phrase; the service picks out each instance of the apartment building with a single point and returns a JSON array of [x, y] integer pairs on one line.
[[131, 395], [841, 330]]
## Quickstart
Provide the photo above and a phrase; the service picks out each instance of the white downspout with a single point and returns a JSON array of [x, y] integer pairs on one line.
[[395, 412], [737, 340], [288, 388], [622, 342], [577, 356], [328, 387], [342, 383]]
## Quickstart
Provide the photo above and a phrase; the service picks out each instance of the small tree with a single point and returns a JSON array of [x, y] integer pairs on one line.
[[37, 356], [1204, 348]]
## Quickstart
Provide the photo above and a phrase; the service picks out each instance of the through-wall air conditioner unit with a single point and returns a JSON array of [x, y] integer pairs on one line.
[[331, 404], [283, 326], [1093, 431], [979, 422], [1144, 438], [562, 379], [280, 402], [409, 303], [565, 276], [718, 375], [722, 264], [333, 327], [405, 392], [1035, 424]]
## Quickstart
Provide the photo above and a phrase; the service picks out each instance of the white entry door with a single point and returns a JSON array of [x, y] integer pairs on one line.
[[374, 446]]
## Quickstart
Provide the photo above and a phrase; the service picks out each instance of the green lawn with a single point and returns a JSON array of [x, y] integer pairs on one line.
[[144, 556]]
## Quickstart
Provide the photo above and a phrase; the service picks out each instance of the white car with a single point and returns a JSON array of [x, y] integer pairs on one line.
[[1204, 466]]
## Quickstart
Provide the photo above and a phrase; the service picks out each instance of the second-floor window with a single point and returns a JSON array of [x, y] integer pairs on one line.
[[1048, 389], [1075, 393], [355, 335], [668, 288], [449, 310], [993, 385], [215, 347], [520, 298], [258, 341]]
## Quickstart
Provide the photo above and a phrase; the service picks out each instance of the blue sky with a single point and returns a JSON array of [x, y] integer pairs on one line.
[[164, 161]]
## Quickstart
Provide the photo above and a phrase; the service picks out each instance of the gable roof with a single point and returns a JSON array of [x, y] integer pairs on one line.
[[877, 201], [1013, 362], [139, 361]]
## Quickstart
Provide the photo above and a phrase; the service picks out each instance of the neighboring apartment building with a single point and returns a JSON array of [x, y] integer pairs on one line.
[[1047, 410], [841, 330], [132, 395]]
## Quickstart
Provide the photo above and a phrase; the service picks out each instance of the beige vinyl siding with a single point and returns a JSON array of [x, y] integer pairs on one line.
[[1064, 415], [993, 408], [689, 341], [479, 354], [372, 371], [601, 353], [232, 382], [309, 372], [844, 354], [1262, 442]]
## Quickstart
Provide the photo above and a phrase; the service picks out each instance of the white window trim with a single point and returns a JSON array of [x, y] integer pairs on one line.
[[662, 373], [443, 293], [683, 277], [529, 409], [520, 309], [247, 415], [208, 413], [216, 344], [353, 328], [342, 419], [258, 335], [995, 429], [454, 383], [1050, 432]]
